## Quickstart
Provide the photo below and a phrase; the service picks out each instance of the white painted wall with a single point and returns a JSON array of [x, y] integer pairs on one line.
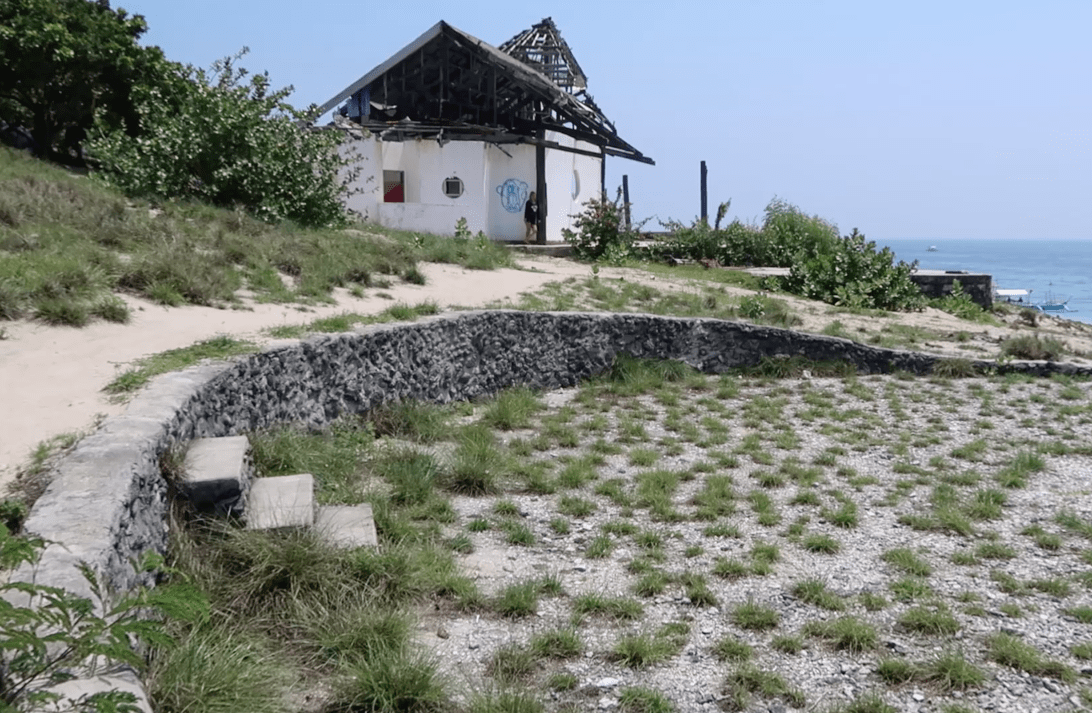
[[510, 180], [566, 199], [496, 184]]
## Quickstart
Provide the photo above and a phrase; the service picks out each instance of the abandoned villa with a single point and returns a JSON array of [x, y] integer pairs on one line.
[[451, 127]]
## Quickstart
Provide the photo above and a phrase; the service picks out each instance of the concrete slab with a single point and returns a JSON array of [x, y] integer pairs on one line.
[[347, 525], [284, 501], [217, 473]]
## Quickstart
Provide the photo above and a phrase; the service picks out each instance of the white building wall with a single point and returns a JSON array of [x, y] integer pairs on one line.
[[496, 185], [510, 181], [366, 187], [572, 180]]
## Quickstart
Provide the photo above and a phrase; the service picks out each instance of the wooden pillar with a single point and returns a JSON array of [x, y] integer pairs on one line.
[[540, 180], [603, 176], [704, 193], [625, 199]]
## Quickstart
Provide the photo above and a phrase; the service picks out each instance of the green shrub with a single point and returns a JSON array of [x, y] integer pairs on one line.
[[211, 136], [849, 272], [960, 304], [1032, 346], [47, 631], [601, 233]]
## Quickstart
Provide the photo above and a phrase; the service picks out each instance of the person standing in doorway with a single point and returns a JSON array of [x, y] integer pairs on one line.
[[530, 217]]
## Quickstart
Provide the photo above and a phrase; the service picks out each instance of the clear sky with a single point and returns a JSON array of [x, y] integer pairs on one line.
[[903, 118]]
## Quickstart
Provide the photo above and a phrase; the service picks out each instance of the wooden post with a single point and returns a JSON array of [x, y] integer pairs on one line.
[[704, 194], [540, 179], [603, 176], [625, 199]]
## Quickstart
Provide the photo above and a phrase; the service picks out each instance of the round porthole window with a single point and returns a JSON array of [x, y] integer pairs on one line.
[[453, 187], [576, 184]]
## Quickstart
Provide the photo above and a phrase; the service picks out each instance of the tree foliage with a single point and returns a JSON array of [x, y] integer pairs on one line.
[[843, 270], [64, 61], [220, 137]]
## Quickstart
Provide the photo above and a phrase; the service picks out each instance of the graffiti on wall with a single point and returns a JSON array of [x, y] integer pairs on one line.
[[513, 193]]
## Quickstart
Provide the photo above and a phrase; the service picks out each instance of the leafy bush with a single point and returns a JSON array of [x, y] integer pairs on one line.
[[960, 304], [845, 271], [601, 233], [848, 271], [1032, 346], [213, 137], [56, 631]]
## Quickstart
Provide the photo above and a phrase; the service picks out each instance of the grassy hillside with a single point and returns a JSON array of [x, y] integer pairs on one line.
[[68, 244]]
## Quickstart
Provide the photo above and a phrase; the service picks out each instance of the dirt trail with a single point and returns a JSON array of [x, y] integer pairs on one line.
[[51, 378]]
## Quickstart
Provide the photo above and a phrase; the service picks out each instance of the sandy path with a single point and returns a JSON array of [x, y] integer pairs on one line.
[[51, 378]]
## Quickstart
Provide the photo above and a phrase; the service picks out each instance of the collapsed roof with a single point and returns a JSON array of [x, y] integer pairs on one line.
[[449, 85]]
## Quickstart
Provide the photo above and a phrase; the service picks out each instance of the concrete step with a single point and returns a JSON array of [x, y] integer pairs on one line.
[[347, 526], [283, 501], [216, 474]]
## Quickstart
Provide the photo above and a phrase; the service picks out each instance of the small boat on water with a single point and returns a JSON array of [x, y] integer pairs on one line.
[[1022, 298], [932, 248], [1016, 297], [1053, 306]]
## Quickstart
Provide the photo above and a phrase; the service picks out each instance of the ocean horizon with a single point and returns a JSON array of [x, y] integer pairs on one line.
[[1051, 269]]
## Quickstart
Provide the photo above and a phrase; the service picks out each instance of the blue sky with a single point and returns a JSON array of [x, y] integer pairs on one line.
[[923, 118]]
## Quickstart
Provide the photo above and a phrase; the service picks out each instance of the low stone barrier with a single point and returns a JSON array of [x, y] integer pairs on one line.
[[107, 502]]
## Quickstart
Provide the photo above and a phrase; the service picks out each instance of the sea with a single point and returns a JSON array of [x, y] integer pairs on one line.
[[1051, 269]]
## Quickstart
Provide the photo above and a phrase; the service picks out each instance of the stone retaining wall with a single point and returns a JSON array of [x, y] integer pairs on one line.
[[107, 502]]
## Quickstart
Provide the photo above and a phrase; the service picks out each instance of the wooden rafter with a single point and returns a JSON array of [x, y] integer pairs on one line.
[[448, 80]]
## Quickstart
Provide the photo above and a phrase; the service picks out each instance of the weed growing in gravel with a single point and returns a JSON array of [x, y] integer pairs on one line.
[[621, 609], [907, 561], [574, 506], [479, 464], [733, 649], [1009, 650], [722, 530], [929, 620], [1083, 651], [643, 700], [910, 588], [950, 671], [814, 591], [1015, 474], [651, 583], [516, 533], [754, 616], [748, 680], [847, 632], [517, 600], [696, 589], [821, 543], [599, 547], [557, 644], [511, 409], [643, 650]]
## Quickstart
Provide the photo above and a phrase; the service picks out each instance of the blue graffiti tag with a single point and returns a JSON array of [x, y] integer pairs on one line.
[[513, 193]]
